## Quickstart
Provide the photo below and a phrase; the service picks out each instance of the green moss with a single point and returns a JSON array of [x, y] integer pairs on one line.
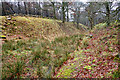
[[88, 67], [100, 25], [19, 18], [2, 36], [65, 73], [94, 60]]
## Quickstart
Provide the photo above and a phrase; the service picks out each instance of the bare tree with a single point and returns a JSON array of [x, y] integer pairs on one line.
[[77, 10], [3, 9], [107, 6], [67, 10], [19, 9], [25, 5], [39, 9], [63, 11], [29, 7], [91, 14]]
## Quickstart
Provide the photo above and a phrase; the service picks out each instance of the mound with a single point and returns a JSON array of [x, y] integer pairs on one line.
[[31, 27]]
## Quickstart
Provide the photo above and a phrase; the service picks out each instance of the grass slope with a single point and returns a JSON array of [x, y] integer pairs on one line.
[[36, 47], [28, 27]]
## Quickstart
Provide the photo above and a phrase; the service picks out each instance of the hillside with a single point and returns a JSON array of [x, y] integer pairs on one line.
[[96, 57], [27, 27], [36, 47], [47, 48]]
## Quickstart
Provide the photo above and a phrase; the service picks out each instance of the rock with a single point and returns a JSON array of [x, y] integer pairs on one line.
[[9, 18]]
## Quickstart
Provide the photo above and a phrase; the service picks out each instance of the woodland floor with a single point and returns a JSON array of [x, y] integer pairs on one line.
[[46, 48]]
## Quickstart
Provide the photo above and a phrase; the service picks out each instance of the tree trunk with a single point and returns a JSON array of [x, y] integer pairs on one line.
[[78, 20], [10, 7], [53, 4], [34, 6], [39, 9], [91, 23], [67, 13], [3, 9], [25, 8], [118, 18], [29, 7], [19, 9], [107, 13], [63, 11]]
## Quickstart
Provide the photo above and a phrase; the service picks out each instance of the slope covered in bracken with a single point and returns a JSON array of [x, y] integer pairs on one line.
[[96, 57]]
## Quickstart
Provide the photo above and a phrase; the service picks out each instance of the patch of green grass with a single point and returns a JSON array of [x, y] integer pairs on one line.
[[116, 74], [8, 46], [14, 69], [39, 52], [57, 50], [59, 39], [18, 18], [39, 71], [100, 25], [64, 42]]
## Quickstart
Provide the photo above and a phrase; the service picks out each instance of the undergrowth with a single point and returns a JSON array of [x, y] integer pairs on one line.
[[39, 54]]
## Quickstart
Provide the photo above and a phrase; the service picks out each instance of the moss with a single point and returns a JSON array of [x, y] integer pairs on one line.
[[88, 67], [19, 18], [2, 36], [100, 25], [65, 73]]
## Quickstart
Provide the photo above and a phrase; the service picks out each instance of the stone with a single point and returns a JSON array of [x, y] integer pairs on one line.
[[8, 18]]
